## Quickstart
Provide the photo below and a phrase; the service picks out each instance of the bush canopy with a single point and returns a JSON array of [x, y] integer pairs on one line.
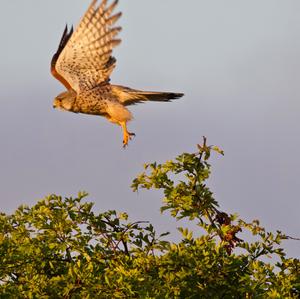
[[61, 248]]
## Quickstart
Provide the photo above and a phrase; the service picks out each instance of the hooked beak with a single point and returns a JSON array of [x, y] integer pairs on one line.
[[55, 104]]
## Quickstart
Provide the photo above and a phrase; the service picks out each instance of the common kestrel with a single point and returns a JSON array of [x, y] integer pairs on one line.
[[83, 63]]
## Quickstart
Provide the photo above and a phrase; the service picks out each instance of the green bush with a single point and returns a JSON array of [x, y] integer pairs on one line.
[[60, 248]]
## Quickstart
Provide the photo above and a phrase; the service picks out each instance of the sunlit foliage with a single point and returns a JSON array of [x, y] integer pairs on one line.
[[62, 248]]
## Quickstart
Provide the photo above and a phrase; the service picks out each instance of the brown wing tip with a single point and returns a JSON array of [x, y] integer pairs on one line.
[[168, 96], [64, 39], [174, 96], [116, 42], [112, 20]]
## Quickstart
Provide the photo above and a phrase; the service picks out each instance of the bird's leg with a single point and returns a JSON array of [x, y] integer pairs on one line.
[[126, 135]]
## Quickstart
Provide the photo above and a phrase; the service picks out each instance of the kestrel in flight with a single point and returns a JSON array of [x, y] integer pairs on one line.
[[83, 63]]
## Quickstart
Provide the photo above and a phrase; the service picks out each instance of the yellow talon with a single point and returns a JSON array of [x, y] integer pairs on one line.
[[126, 135]]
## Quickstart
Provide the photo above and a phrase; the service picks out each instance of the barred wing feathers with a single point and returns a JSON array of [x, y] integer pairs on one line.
[[85, 61]]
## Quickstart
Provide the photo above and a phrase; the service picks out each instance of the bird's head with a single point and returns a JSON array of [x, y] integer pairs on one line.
[[65, 100]]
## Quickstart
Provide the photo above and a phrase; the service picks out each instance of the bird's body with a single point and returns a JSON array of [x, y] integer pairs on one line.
[[95, 101], [83, 63]]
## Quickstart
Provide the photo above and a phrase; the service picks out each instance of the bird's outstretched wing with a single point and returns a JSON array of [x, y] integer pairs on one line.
[[64, 39], [83, 59]]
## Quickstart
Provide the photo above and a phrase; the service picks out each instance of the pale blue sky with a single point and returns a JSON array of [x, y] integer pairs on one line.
[[238, 62]]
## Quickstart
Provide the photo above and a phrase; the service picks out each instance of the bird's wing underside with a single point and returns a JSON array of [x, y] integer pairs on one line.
[[85, 60]]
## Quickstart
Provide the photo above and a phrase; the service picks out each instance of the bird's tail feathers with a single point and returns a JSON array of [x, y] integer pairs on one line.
[[130, 96]]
